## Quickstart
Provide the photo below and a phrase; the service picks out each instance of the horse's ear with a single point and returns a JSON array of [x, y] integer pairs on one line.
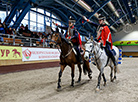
[[86, 38], [92, 38], [57, 30]]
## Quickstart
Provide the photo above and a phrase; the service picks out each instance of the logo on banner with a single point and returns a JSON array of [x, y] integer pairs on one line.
[[27, 54], [15, 53]]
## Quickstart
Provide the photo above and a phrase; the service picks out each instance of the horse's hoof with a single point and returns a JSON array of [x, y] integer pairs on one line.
[[72, 85], [104, 84], [59, 87], [97, 89], [78, 81], [112, 80], [90, 77]]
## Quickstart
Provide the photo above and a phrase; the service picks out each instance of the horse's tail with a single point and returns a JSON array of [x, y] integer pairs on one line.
[[86, 67]]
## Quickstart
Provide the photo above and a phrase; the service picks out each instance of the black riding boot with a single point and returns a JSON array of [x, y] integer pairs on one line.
[[79, 57], [113, 59]]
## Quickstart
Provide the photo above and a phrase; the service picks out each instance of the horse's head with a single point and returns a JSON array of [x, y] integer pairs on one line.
[[89, 47], [55, 37]]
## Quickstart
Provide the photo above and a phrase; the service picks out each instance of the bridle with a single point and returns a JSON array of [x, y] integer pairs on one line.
[[60, 44], [90, 52]]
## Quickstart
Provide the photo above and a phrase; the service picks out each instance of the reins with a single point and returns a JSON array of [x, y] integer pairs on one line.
[[97, 53], [64, 56]]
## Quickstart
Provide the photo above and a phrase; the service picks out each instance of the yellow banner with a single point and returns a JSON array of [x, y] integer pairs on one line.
[[9, 52]]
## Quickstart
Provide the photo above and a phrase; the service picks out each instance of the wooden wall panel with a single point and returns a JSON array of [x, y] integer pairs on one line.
[[19, 61], [134, 54]]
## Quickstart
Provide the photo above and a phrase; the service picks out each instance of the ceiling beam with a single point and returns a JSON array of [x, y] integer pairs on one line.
[[61, 3], [129, 11], [92, 14], [49, 16]]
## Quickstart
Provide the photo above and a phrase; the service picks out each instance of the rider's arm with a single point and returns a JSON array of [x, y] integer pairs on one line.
[[62, 27], [93, 23]]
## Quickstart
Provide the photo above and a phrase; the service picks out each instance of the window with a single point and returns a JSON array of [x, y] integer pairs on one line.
[[40, 19], [40, 10], [2, 15], [32, 26], [32, 16]]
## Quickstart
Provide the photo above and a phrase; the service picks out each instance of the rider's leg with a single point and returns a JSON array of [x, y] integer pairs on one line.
[[108, 49], [78, 54]]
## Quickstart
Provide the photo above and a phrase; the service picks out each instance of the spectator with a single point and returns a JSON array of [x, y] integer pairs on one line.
[[2, 31], [14, 32], [21, 29], [45, 42], [5, 27], [26, 29], [0, 22], [10, 32]]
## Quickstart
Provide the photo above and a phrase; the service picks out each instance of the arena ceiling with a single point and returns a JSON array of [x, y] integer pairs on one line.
[[118, 12]]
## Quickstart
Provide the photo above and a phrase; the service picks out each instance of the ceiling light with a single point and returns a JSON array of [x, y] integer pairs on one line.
[[84, 5]]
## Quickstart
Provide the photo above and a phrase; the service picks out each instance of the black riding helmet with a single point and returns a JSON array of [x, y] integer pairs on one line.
[[101, 17], [71, 20]]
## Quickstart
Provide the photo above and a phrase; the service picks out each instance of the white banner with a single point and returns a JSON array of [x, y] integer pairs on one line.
[[32, 54]]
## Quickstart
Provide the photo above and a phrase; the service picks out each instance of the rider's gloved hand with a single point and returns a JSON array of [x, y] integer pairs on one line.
[[54, 23]]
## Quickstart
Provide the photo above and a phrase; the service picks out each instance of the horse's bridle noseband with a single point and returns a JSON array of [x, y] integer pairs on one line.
[[90, 50]]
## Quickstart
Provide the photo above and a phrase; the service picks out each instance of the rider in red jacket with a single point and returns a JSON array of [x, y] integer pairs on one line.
[[104, 36]]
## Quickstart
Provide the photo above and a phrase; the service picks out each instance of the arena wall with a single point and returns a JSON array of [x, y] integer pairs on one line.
[[11, 60], [131, 36]]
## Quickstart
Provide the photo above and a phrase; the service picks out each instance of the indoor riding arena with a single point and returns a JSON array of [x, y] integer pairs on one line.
[[41, 62]]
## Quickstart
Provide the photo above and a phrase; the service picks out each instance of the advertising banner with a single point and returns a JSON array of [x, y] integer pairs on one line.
[[33, 54], [126, 43], [9, 52]]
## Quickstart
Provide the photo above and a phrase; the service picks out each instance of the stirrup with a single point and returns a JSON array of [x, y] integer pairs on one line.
[[94, 63]]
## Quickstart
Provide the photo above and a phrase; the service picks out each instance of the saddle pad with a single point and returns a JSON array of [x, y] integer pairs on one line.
[[113, 51]]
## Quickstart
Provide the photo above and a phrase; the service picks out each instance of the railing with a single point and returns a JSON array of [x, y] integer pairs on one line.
[[23, 41]]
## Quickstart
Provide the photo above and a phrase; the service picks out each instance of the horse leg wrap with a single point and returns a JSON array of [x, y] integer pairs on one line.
[[59, 80], [72, 83]]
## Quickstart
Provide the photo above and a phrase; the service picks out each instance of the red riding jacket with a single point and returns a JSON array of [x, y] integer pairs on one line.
[[105, 36]]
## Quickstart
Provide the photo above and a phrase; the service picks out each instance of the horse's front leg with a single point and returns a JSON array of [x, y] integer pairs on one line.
[[80, 71], [72, 74], [104, 79], [62, 67], [99, 79], [111, 74]]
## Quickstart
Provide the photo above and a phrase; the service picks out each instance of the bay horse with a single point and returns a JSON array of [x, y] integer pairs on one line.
[[68, 57], [101, 59]]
